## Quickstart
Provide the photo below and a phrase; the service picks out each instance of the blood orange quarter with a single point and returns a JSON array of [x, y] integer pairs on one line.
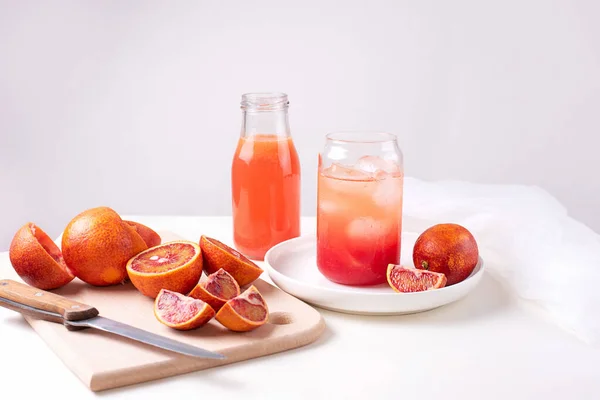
[[217, 289], [181, 312], [245, 312], [405, 280]]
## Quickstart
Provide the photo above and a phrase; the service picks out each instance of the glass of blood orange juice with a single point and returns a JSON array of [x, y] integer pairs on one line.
[[265, 176], [359, 207]]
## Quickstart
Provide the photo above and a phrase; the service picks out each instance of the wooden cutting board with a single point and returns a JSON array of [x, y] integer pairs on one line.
[[105, 361]]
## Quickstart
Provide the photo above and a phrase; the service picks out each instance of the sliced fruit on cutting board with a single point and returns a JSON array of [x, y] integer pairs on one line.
[[37, 259], [405, 280], [245, 312], [216, 289], [292, 323], [181, 312], [218, 255], [175, 266]]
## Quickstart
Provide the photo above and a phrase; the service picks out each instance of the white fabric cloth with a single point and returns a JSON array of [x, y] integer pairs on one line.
[[527, 240]]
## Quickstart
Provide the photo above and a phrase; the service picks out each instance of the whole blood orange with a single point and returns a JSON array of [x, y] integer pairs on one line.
[[175, 266], [404, 280], [37, 259], [216, 289], [447, 248], [96, 245], [245, 312], [149, 235], [218, 255], [181, 312]]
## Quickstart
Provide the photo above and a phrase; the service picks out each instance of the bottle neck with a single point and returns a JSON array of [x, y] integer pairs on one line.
[[273, 122]]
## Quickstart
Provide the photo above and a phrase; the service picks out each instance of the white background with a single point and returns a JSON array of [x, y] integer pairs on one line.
[[135, 104]]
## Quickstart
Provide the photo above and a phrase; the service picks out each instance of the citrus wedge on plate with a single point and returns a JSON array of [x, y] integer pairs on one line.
[[406, 280]]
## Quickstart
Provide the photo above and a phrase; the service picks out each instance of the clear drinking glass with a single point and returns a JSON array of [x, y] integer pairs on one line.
[[359, 207]]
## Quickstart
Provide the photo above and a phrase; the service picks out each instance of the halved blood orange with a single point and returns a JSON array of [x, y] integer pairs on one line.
[[245, 312], [175, 265], [216, 289], [403, 279], [37, 259], [148, 234], [218, 255], [181, 312]]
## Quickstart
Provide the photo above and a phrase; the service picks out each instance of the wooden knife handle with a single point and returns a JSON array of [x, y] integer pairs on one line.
[[69, 309]]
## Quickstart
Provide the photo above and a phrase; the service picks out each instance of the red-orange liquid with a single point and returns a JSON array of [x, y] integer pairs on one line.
[[265, 179], [359, 228]]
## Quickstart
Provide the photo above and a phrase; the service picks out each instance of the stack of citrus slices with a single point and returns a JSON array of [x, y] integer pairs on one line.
[[102, 249]]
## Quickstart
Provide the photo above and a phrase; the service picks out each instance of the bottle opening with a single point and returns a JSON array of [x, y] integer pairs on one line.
[[264, 101]]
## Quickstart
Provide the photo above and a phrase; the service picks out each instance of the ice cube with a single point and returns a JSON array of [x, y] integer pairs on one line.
[[344, 172], [388, 192], [367, 228], [373, 165], [327, 206]]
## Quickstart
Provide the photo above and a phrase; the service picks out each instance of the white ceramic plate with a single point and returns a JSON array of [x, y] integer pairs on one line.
[[292, 266]]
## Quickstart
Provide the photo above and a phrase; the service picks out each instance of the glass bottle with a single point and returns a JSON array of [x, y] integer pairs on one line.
[[265, 176], [359, 207]]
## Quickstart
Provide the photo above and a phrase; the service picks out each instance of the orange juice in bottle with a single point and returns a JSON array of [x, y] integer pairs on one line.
[[265, 177]]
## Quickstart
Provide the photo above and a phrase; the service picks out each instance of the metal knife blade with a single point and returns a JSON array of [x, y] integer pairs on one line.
[[118, 328], [128, 331]]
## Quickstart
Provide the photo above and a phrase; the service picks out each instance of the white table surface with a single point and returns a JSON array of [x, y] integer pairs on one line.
[[486, 346]]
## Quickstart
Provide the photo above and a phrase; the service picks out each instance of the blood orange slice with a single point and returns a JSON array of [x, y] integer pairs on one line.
[[216, 289], [245, 312], [175, 266], [404, 280], [37, 259], [218, 255], [181, 312]]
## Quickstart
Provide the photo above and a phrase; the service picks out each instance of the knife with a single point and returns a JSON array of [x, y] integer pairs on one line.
[[48, 306]]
